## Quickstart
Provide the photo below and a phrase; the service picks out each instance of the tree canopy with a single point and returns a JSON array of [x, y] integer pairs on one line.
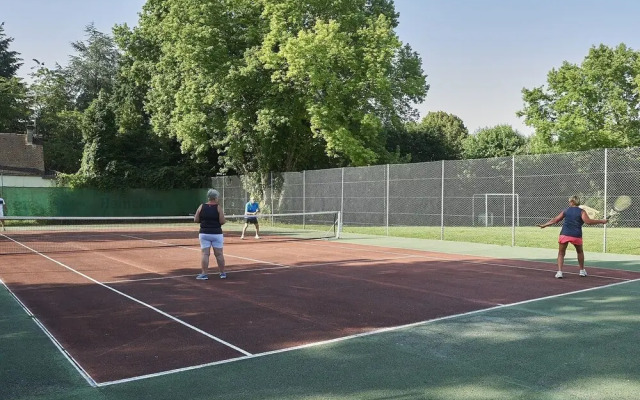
[[592, 105], [14, 107], [497, 141], [438, 136], [272, 84], [9, 59]]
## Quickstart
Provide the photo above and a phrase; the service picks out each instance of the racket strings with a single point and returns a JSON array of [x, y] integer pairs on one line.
[[622, 203]]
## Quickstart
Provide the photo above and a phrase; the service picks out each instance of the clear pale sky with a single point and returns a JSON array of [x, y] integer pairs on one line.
[[477, 54]]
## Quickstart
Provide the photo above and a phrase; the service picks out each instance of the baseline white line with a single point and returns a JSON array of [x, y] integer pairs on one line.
[[167, 315], [359, 335], [467, 261], [55, 342]]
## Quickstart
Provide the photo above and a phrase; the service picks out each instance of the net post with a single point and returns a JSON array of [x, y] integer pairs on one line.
[[304, 197], [339, 225], [604, 210]]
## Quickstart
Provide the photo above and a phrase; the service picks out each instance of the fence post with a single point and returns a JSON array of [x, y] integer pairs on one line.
[[604, 203], [342, 199], [387, 203], [271, 194], [304, 198], [223, 179], [442, 202], [513, 201]]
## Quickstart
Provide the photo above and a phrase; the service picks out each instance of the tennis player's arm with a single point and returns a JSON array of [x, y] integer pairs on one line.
[[221, 217], [552, 221], [196, 217], [589, 221]]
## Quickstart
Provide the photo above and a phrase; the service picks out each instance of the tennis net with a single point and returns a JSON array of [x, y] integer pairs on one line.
[[73, 234]]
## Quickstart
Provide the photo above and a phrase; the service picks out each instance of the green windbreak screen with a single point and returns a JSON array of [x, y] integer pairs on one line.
[[67, 202]]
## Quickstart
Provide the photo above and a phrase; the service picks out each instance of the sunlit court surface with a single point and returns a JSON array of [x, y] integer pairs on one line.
[[122, 306]]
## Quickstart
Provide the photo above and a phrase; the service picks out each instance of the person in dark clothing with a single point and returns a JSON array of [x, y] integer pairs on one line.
[[211, 218], [574, 217]]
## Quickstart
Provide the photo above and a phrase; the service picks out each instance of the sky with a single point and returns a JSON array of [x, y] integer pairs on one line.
[[478, 55]]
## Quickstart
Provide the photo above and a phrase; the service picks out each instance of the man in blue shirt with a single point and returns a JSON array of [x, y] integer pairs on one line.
[[251, 209]]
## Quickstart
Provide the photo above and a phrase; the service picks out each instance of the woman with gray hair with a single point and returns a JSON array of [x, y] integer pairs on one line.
[[211, 218], [574, 217]]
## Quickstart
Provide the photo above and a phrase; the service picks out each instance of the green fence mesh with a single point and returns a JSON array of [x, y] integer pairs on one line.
[[62, 202]]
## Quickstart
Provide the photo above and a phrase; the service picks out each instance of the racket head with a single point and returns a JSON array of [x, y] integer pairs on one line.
[[622, 203]]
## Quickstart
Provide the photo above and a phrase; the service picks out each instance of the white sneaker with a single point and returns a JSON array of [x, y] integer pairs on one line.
[[257, 237], [241, 237], [583, 272], [559, 274]]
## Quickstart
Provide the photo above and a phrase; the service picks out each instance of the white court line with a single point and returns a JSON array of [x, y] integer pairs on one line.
[[335, 340], [359, 335], [171, 317], [55, 342], [465, 261], [404, 255], [275, 267]]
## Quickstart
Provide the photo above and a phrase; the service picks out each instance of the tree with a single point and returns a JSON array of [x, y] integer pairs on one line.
[[592, 105], [276, 85], [438, 136], [57, 120], [14, 107], [498, 141], [94, 66], [9, 60], [450, 129]]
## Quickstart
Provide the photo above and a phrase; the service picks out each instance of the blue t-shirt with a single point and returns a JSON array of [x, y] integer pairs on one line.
[[572, 225], [252, 207]]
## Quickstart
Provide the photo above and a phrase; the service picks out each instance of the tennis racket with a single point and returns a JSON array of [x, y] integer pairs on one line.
[[621, 204]]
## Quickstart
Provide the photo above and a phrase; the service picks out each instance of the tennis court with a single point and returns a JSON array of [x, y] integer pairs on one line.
[[123, 305]]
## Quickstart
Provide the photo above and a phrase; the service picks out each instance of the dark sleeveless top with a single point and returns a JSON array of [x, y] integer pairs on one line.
[[210, 219], [572, 225]]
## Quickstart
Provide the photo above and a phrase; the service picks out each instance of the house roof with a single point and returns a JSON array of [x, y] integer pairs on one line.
[[17, 157]]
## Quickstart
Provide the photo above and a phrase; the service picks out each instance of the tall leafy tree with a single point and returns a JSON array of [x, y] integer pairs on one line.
[[57, 119], [93, 67], [497, 141], [14, 107], [276, 85], [450, 129], [592, 105], [9, 59], [438, 136]]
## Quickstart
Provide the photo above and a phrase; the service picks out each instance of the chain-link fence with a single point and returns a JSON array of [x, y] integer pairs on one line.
[[498, 200]]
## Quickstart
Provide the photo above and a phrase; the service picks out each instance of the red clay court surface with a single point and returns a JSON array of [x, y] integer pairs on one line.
[[124, 314]]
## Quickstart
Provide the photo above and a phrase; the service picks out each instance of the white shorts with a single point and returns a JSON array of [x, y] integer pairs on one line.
[[214, 240]]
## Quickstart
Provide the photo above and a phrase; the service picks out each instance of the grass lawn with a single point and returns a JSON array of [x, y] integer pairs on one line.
[[619, 240]]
